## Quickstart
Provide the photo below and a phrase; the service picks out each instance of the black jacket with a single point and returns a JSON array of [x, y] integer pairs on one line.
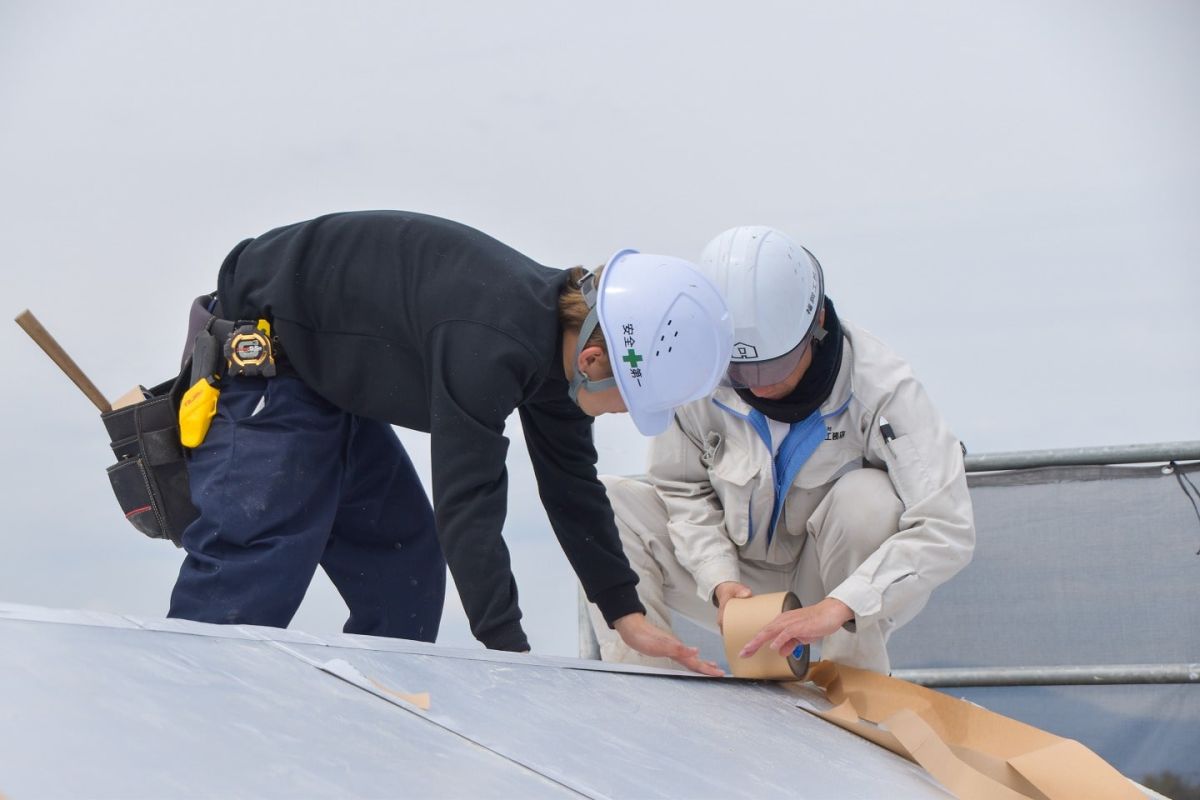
[[434, 326]]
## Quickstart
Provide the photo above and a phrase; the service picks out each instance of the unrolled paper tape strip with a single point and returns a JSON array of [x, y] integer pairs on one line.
[[745, 617]]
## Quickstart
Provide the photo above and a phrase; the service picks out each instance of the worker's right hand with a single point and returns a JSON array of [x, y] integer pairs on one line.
[[650, 640], [724, 593]]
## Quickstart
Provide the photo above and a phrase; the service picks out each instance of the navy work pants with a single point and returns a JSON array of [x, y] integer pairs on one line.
[[285, 481]]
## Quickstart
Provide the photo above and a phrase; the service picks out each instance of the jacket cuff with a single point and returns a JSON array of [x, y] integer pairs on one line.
[[510, 636], [618, 601], [864, 600], [714, 573]]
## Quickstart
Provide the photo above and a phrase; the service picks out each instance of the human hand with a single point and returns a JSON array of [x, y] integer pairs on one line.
[[724, 593], [800, 626], [650, 640]]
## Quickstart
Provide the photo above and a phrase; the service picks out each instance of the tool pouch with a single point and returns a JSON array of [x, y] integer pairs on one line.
[[150, 477]]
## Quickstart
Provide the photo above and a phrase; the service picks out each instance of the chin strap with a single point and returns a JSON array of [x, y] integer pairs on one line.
[[587, 287]]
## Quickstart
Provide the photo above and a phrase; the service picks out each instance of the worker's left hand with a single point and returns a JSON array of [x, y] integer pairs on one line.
[[726, 591], [650, 640], [800, 626]]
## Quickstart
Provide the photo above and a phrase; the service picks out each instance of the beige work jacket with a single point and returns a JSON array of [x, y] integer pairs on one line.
[[714, 473]]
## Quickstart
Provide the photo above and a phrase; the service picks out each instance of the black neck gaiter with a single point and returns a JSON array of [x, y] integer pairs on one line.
[[816, 385]]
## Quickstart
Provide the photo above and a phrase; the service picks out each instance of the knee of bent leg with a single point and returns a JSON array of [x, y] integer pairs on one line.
[[640, 514], [865, 502]]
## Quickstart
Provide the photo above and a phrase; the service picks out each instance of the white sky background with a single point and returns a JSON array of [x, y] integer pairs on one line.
[[1007, 193]]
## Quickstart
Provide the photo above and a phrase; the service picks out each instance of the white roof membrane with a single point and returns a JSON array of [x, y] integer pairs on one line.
[[106, 706]]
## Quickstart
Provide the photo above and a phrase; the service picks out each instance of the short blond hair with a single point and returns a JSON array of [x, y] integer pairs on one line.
[[573, 309]]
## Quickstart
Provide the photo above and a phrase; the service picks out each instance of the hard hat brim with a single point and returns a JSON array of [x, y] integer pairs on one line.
[[652, 423]]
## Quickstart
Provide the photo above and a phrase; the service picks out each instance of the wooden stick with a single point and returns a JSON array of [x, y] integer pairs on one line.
[[29, 323]]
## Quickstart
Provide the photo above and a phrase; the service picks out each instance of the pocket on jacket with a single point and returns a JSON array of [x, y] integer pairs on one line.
[[734, 475], [733, 466], [908, 470]]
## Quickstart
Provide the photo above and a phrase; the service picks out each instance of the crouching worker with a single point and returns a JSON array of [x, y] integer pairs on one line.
[[822, 469], [391, 318]]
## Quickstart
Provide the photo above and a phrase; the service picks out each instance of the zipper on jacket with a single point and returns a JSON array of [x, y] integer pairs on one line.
[[802, 436]]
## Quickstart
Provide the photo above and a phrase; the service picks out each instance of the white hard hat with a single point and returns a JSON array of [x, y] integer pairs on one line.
[[775, 290], [668, 331]]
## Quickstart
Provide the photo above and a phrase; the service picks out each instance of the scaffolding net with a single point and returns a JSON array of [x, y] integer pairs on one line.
[[1088, 566]]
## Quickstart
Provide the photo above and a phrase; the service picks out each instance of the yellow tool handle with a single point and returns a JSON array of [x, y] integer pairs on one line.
[[29, 323], [196, 411]]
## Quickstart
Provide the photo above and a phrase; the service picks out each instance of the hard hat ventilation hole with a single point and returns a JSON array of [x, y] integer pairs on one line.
[[663, 338]]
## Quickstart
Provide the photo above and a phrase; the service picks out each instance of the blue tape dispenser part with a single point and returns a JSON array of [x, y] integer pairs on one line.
[[798, 653]]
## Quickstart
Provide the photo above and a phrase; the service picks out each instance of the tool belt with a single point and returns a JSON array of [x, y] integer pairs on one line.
[[151, 437]]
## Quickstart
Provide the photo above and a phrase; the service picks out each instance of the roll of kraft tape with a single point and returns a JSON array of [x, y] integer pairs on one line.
[[745, 617]]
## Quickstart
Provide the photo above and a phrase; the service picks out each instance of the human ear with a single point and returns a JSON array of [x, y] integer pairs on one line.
[[591, 358]]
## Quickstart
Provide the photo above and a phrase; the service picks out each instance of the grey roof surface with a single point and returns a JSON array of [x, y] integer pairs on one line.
[[99, 705]]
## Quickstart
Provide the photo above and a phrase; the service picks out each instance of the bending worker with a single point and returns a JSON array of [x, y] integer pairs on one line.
[[391, 318], [822, 469]]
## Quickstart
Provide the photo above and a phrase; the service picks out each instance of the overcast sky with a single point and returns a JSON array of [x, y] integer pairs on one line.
[[1007, 193]]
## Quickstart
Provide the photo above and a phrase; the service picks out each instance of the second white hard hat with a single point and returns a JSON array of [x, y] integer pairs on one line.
[[775, 290]]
